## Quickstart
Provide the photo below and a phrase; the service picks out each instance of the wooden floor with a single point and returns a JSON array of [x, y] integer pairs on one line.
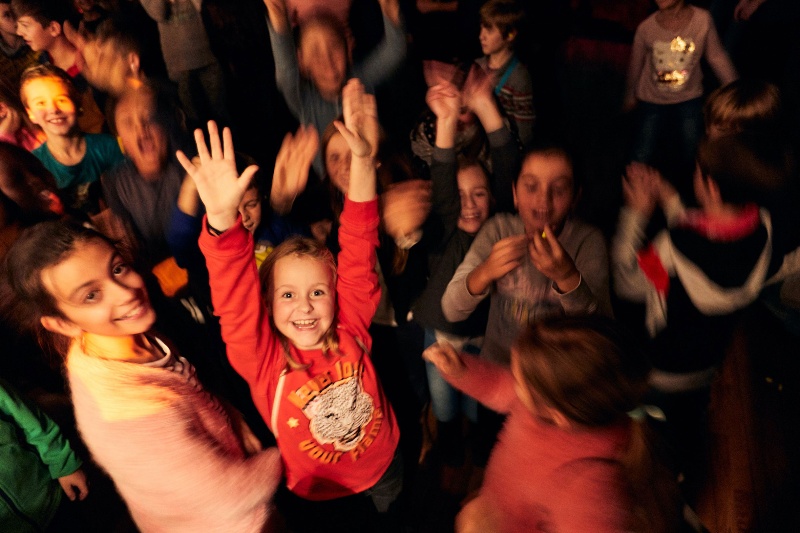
[[752, 480]]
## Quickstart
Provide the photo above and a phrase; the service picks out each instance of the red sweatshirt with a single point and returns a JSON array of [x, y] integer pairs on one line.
[[544, 478], [335, 429]]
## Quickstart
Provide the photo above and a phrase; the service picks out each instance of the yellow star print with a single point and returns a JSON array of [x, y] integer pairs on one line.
[[293, 422]]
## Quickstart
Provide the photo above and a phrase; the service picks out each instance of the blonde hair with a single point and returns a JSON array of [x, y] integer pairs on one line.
[[302, 247]]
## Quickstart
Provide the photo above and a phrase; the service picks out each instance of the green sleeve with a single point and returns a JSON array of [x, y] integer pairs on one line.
[[39, 431]]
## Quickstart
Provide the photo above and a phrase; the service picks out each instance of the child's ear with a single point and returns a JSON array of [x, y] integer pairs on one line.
[[134, 63], [59, 325], [54, 28], [511, 37]]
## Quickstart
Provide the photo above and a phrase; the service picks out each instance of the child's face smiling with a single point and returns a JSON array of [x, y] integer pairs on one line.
[[302, 300], [544, 192], [98, 292], [323, 58], [474, 192], [50, 105]]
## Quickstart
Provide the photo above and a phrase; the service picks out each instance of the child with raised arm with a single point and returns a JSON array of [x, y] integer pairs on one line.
[[464, 196], [311, 73], [695, 276], [306, 353]]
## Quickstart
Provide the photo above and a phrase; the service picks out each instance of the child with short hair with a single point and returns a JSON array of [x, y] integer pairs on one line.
[[178, 458], [571, 455], [311, 72], [39, 467], [75, 159], [749, 105], [536, 263], [695, 276], [41, 24], [501, 22], [665, 79]]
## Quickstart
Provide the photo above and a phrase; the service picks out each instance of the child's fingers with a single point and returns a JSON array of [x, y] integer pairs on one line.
[[202, 149], [247, 177], [213, 140], [227, 145], [186, 163]]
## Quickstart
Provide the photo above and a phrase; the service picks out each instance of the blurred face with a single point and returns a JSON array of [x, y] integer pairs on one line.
[[143, 139], [98, 292], [8, 24], [250, 209], [50, 106], [473, 188], [106, 67], [37, 36], [323, 58], [492, 41], [530, 399], [667, 4], [544, 192], [337, 162], [302, 300]]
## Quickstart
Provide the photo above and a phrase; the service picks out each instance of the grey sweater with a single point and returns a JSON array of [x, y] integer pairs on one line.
[[525, 295]]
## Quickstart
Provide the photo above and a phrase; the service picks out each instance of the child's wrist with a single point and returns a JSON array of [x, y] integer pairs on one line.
[[220, 223]]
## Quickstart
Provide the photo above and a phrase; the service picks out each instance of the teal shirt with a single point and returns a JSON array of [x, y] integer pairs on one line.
[[75, 181], [33, 455]]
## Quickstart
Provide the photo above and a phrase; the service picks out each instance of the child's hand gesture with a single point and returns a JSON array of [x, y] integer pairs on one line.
[[444, 100], [75, 485], [478, 97], [405, 206], [640, 187], [506, 255], [446, 359], [361, 131], [291, 167], [550, 259], [220, 187]]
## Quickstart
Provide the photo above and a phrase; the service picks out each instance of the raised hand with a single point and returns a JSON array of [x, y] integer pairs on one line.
[[506, 255], [361, 131], [406, 205], [444, 100], [550, 259], [221, 188], [291, 167], [478, 97], [360, 127], [640, 188], [446, 359]]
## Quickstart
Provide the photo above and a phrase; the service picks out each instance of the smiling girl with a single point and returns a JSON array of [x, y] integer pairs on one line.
[[306, 353], [168, 445]]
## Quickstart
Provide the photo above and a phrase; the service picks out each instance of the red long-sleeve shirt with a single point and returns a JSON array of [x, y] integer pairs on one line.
[[335, 429]]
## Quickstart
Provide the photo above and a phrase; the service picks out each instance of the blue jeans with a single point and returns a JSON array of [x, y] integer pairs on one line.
[[670, 131], [448, 402]]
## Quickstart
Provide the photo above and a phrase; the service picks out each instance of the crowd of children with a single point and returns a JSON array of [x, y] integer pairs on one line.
[[245, 350]]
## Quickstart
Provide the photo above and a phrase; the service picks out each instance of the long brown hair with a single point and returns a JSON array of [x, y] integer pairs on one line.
[[304, 247], [588, 370]]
